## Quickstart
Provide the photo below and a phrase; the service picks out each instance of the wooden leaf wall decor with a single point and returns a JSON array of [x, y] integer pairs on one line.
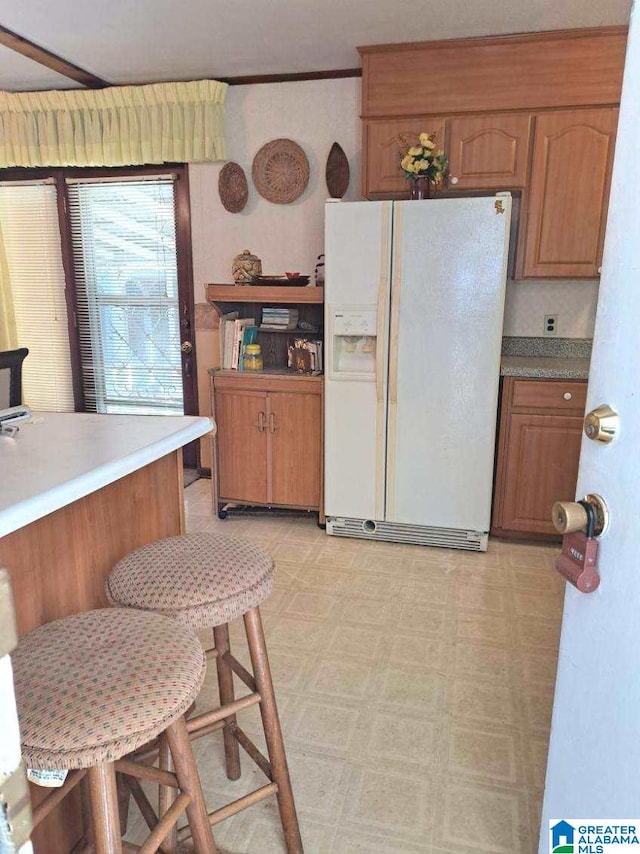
[[337, 172]]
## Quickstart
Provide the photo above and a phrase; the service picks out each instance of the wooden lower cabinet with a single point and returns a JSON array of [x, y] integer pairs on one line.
[[296, 420], [538, 453], [268, 444], [242, 444]]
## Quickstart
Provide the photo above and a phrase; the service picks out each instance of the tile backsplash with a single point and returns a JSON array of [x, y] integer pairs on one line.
[[574, 302]]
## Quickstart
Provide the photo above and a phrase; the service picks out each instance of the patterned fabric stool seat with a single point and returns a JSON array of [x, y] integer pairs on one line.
[[205, 580], [95, 686], [201, 580]]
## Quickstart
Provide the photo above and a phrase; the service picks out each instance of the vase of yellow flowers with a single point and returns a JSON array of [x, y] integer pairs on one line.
[[425, 168]]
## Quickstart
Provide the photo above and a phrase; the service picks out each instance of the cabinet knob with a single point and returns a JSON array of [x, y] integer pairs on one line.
[[567, 395], [453, 180]]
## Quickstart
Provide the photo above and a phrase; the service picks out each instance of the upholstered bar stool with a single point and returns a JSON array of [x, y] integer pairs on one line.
[[93, 687], [205, 581]]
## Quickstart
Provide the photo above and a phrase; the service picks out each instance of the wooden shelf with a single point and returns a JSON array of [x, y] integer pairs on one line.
[[280, 373], [256, 293], [295, 333]]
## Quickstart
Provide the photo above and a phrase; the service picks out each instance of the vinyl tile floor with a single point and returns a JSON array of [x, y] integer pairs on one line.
[[415, 688]]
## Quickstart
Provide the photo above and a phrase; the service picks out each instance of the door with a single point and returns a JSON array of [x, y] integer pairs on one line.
[[489, 151], [384, 178], [294, 424], [569, 192], [541, 467], [594, 752], [357, 281], [241, 442], [447, 302], [133, 293]]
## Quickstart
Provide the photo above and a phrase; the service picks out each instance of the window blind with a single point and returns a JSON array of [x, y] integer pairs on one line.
[[31, 236], [125, 267]]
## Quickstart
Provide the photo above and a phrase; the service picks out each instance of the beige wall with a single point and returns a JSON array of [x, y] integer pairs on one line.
[[287, 237], [574, 302]]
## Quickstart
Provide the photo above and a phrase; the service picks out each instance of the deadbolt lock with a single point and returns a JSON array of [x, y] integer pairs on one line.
[[601, 424], [186, 347]]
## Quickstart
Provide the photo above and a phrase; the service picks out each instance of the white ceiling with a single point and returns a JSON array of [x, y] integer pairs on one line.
[[136, 41]]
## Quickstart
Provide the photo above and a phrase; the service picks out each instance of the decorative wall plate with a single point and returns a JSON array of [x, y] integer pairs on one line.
[[280, 171], [337, 172], [233, 187]]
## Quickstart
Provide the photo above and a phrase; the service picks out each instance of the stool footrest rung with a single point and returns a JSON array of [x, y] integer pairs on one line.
[[160, 831], [234, 807], [222, 712], [249, 747], [143, 802], [44, 807], [241, 671], [146, 772]]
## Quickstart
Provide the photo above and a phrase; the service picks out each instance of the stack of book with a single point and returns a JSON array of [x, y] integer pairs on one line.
[[304, 356], [279, 318], [235, 333]]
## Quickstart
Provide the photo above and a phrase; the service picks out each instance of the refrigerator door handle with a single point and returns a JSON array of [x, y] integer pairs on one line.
[[381, 325], [394, 325]]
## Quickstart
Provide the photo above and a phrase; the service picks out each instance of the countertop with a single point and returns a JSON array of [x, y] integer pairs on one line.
[[58, 458], [546, 358], [554, 367]]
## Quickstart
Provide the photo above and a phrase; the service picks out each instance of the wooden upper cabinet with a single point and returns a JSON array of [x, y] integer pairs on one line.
[[569, 192], [489, 152], [383, 177], [528, 71]]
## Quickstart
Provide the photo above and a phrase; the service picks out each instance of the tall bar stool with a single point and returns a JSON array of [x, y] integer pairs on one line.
[[204, 581], [94, 687]]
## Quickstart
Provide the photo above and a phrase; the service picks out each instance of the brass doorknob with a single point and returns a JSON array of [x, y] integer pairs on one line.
[[601, 424], [186, 347], [568, 517], [571, 516]]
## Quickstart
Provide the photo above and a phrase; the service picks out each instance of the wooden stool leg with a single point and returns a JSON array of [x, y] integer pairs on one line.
[[104, 807], [124, 797], [187, 774], [166, 796], [225, 686], [272, 731]]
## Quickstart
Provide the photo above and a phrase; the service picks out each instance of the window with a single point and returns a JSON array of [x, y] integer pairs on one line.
[[31, 237], [125, 264]]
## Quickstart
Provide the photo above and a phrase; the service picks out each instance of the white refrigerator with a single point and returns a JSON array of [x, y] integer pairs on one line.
[[414, 302]]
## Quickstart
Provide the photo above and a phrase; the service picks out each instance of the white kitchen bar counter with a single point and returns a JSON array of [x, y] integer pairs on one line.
[[61, 457], [77, 493]]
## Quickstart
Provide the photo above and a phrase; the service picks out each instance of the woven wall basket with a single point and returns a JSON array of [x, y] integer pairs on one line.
[[280, 171], [233, 187]]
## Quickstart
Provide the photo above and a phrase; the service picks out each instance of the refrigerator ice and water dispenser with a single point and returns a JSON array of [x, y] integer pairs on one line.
[[353, 343]]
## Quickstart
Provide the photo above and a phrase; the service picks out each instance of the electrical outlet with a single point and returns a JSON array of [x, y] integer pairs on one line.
[[551, 324]]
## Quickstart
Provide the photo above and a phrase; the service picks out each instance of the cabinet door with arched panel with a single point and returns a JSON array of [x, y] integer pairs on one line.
[[382, 176], [569, 192], [489, 152]]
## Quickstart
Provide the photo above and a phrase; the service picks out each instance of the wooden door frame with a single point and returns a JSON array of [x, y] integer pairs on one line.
[[186, 299]]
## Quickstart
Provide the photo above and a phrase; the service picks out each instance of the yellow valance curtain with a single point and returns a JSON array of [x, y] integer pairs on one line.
[[117, 126]]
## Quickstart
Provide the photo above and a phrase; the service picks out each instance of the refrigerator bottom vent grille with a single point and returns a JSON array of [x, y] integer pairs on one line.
[[420, 535]]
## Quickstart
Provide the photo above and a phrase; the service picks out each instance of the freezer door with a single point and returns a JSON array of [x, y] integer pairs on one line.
[[447, 305], [357, 293]]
